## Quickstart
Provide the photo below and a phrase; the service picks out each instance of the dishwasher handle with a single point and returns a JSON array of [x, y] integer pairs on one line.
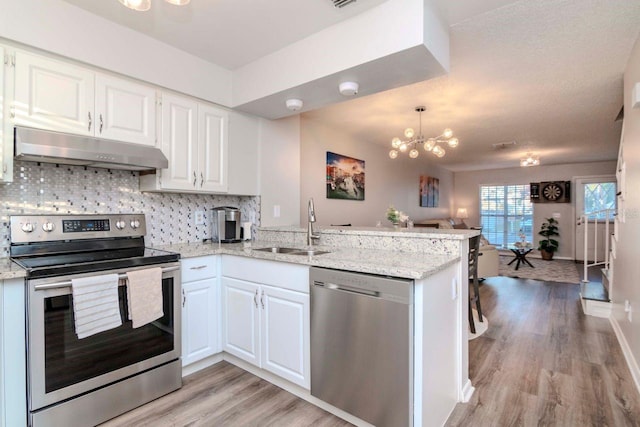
[[333, 286]]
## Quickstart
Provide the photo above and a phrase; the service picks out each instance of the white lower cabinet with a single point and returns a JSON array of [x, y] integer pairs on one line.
[[267, 324], [200, 309]]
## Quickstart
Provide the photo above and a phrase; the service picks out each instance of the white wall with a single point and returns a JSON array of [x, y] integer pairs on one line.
[[280, 171], [61, 28], [627, 265], [467, 185], [387, 181]]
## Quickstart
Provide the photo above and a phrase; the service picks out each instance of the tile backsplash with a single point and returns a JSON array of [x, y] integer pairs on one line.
[[43, 188]]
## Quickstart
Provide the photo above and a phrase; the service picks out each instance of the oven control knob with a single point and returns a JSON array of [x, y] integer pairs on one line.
[[48, 227], [135, 224], [28, 227], [120, 224]]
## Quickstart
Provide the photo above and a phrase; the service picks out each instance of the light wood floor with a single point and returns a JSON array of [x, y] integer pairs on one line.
[[541, 363], [225, 395]]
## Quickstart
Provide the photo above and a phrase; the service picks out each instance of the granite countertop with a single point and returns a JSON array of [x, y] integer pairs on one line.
[[397, 263], [10, 270], [374, 261]]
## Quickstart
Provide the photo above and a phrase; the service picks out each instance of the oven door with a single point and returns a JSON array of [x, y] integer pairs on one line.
[[61, 366]]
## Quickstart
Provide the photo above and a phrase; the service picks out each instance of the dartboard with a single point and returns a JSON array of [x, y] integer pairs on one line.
[[552, 192]]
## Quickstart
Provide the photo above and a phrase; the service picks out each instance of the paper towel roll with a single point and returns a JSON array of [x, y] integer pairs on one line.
[[246, 230]]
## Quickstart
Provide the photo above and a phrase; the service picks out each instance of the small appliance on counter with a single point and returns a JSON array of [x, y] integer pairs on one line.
[[226, 224]]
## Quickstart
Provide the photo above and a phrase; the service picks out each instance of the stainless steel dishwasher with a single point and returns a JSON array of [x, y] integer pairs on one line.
[[362, 345]]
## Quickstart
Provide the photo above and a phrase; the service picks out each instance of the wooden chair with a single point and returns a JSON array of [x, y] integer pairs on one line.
[[474, 252]]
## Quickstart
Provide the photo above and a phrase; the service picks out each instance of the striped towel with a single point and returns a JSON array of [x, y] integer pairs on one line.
[[95, 304]]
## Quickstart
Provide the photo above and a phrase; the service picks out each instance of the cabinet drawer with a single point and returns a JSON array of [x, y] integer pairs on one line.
[[283, 275], [199, 268]]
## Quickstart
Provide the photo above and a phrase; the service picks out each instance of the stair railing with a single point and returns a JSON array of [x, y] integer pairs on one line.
[[596, 217]]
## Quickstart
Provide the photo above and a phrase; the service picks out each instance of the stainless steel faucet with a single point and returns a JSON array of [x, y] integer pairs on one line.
[[311, 236]]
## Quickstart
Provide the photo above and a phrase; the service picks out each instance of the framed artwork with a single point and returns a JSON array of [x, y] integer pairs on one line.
[[345, 177], [429, 191]]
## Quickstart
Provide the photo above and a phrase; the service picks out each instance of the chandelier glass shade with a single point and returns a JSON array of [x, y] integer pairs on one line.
[[144, 5], [413, 141]]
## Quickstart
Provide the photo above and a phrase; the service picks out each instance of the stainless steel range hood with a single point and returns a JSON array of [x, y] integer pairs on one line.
[[54, 147]]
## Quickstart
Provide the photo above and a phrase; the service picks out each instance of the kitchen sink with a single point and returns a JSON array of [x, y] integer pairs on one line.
[[291, 251], [277, 250], [309, 252]]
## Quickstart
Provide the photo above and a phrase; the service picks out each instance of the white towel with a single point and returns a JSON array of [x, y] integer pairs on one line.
[[144, 292], [95, 304]]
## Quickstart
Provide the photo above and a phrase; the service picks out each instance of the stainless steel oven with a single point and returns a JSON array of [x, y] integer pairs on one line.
[[82, 382]]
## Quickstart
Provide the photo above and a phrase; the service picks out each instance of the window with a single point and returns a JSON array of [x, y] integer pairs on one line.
[[505, 213], [599, 196]]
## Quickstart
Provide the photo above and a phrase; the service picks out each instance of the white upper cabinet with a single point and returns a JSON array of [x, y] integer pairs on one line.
[[58, 96], [244, 138], [212, 146], [194, 139], [53, 95], [3, 142], [125, 111], [179, 142]]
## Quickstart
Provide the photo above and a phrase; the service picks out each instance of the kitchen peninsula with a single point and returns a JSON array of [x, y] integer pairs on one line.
[[435, 260]]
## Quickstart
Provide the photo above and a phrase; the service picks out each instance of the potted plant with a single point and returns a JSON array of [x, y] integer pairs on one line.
[[548, 245]]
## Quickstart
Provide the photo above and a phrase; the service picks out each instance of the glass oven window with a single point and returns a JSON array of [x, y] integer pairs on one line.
[[69, 360]]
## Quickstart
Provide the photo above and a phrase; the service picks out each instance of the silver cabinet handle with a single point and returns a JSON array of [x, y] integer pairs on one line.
[[201, 179], [184, 298], [90, 121], [262, 299], [101, 123], [255, 298], [200, 267], [195, 178]]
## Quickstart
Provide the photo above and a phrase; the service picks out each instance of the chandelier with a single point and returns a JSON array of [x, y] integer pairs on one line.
[[530, 160], [144, 5], [429, 144]]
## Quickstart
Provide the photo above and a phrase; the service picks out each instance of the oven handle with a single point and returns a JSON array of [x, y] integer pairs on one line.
[[67, 283]]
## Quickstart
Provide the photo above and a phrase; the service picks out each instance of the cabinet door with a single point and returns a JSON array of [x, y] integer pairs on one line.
[[2, 98], [240, 319], [125, 111], [53, 95], [179, 142], [199, 320], [285, 334], [212, 136], [242, 154]]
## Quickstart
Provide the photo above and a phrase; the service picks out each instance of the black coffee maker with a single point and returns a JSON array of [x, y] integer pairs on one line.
[[226, 224]]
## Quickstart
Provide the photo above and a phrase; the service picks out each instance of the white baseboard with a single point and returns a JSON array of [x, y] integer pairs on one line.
[[201, 364], [596, 308], [467, 391], [626, 350]]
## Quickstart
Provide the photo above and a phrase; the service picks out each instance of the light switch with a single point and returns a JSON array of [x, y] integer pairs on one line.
[[635, 96], [276, 211]]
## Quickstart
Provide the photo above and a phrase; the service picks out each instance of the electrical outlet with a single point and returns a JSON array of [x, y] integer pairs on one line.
[[198, 217], [252, 217]]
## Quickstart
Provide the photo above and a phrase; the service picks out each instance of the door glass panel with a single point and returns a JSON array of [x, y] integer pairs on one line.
[[69, 360], [598, 197]]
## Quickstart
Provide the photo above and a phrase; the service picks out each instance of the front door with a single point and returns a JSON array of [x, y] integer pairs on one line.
[[593, 194]]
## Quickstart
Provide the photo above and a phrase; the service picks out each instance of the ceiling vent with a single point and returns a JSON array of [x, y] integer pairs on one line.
[[503, 145], [342, 3]]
